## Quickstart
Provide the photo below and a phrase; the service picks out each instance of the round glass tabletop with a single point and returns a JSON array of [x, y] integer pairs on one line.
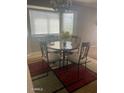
[[62, 45]]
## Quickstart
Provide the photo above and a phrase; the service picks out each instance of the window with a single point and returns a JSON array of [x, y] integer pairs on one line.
[[68, 19], [43, 22]]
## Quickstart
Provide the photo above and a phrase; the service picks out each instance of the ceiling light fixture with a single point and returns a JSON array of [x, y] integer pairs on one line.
[[61, 5]]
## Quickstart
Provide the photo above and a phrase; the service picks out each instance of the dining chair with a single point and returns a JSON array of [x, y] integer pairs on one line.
[[81, 56], [49, 55], [75, 42]]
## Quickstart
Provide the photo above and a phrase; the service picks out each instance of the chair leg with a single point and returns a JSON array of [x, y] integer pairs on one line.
[[85, 65], [59, 63], [67, 63], [67, 60]]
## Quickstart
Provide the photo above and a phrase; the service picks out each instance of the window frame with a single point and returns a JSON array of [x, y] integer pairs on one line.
[[63, 21], [60, 21], [40, 35]]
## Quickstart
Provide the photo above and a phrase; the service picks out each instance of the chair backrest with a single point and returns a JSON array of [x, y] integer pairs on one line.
[[75, 40], [44, 50], [84, 51]]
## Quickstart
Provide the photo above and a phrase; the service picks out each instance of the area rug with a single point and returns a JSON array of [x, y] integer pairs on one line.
[[74, 77], [38, 68]]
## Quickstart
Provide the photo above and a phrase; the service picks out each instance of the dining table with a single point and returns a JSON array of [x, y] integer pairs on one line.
[[65, 47]]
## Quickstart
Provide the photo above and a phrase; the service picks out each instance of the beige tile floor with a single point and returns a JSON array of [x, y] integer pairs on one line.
[[51, 83]]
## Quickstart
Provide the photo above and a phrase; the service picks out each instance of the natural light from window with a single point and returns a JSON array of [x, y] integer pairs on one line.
[[68, 22], [44, 22]]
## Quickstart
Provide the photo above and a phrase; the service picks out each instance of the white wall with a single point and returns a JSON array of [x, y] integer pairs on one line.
[[87, 28], [86, 24]]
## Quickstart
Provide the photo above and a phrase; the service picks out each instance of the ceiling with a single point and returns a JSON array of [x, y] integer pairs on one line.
[[87, 3]]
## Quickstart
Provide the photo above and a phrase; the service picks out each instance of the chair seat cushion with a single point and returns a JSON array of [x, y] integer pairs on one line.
[[53, 57], [75, 58]]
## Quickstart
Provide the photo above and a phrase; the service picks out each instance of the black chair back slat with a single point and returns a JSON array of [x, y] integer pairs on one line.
[[84, 51]]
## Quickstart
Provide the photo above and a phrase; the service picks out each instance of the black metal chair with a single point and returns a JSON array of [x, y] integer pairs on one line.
[[75, 42], [81, 56], [50, 56]]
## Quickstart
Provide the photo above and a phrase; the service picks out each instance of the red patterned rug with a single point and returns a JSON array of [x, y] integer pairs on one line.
[[74, 77], [38, 68]]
